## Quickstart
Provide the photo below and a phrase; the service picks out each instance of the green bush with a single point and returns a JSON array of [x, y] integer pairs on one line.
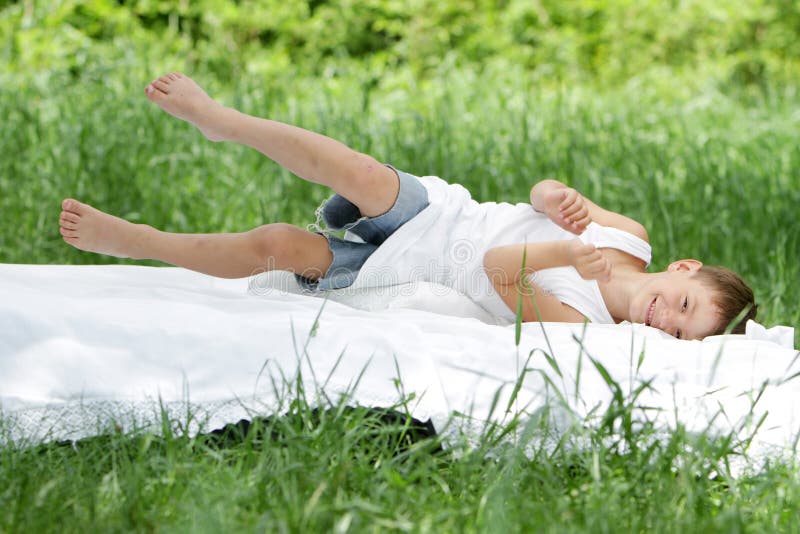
[[609, 42]]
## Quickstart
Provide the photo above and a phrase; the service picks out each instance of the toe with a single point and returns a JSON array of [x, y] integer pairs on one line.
[[72, 205], [173, 75], [67, 217], [161, 85], [155, 92], [71, 240], [68, 233]]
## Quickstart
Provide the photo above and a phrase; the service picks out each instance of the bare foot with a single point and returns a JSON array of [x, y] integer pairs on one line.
[[181, 97], [92, 230]]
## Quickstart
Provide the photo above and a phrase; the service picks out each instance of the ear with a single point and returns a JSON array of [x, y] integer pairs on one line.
[[687, 265]]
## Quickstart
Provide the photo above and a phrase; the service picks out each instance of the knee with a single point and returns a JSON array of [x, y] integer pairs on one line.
[[271, 239], [376, 187], [375, 175]]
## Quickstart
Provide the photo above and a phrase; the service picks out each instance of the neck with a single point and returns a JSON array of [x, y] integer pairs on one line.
[[619, 291]]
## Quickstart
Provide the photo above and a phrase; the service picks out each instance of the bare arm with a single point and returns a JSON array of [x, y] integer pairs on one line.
[[504, 265], [572, 211], [508, 273]]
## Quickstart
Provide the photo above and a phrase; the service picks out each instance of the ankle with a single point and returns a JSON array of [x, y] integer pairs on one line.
[[219, 123], [141, 237]]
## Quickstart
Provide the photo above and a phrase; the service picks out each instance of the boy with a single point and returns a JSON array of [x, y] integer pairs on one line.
[[401, 228]]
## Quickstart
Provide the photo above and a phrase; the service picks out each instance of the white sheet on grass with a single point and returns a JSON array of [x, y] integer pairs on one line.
[[85, 347]]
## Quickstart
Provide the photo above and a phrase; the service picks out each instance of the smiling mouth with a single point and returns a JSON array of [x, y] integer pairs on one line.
[[648, 317]]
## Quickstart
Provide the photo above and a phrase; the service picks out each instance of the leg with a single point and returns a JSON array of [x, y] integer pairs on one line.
[[270, 247], [372, 187]]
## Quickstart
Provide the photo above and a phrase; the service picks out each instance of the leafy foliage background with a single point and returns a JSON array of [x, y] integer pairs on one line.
[[745, 43]]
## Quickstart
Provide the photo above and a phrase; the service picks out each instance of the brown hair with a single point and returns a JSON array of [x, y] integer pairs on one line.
[[732, 295]]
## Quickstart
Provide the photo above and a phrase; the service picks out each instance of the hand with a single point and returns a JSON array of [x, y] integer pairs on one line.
[[567, 208], [589, 261]]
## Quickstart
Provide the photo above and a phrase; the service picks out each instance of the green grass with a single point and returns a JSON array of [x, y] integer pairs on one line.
[[711, 174], [346, 470]]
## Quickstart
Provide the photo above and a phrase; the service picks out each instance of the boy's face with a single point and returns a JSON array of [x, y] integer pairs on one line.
[[677, 303]]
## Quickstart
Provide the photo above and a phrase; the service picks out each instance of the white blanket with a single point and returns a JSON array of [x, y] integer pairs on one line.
[[86, 348]]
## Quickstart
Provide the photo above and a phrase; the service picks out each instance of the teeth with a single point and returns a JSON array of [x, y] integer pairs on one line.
[[649, 316]]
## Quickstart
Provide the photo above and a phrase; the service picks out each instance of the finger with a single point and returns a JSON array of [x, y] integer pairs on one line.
[[597, 264], [587, 249], [577, 211], [569, 197], [600, 270], [570, 227], [593, 255], [584, 221], [573, 211], [564, 223], [577, 229], [589, 274], [575, 222], [567, 220], [594, 266]]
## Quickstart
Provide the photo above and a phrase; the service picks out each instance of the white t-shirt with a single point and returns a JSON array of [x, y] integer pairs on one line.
[[446, 241]]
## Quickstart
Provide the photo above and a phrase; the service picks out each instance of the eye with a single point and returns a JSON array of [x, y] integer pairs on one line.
[[685, 304], [678, 334]]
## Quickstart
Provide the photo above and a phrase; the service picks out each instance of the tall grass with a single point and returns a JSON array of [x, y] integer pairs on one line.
[[351, 470]]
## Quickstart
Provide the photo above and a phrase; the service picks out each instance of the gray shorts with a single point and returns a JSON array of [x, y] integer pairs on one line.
[[363, 235]]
